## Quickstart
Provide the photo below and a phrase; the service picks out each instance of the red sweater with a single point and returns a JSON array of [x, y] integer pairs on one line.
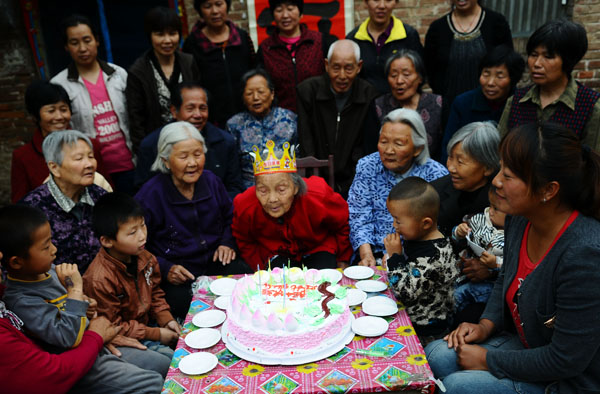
[[316, 222], [26, 368], [29, 169]]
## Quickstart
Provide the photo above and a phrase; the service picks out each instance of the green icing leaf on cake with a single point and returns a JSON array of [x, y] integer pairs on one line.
[[341, 292], [314, 295], [334, 308], [318, 321], [312, 310]]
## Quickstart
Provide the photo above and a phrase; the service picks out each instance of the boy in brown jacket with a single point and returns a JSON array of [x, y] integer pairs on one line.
[[124, 278]]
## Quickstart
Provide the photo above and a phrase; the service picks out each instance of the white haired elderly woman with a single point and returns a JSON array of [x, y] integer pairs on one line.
[[68, 197], [402, 152], [405, 72], [188, 215], [286, 219]]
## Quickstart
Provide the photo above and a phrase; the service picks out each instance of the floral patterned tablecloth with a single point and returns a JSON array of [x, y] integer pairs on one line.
[[345, 372]]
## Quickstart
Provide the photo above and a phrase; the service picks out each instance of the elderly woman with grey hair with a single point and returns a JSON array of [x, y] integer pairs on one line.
[[472, 162], [402, 152], [188, 215], [285, 219], [68, 197], [406, 75]]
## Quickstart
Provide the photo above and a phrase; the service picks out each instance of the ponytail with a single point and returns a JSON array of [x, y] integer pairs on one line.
[[539, 154]]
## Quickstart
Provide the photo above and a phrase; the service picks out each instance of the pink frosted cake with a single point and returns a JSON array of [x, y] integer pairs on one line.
[[312, 323]]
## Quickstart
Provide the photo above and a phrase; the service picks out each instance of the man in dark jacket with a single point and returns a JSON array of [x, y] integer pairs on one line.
[[336, 114], [189, 102]]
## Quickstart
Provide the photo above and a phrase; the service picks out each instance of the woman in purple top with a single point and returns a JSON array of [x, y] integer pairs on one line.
[[188, 214]]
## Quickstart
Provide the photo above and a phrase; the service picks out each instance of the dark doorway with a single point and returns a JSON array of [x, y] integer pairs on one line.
[[124, 19]]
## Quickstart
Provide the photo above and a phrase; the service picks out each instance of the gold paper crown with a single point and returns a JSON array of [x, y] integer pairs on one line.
[[271, 165]]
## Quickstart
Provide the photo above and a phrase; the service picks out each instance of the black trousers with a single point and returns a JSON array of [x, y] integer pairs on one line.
[[179, 297], [317, 260]]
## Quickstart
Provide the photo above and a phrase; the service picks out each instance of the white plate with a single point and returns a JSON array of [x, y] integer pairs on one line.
[[371, 286], [355, 296], [369, 326], [333, 275], [223, 286], [380, 306], [222, 302], [198, 363], [210, 318], [358, 272], [478, 250], [203, 338]]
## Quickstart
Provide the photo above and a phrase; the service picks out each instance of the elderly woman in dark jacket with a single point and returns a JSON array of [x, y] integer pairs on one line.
[[539, 332], [188, 214], [152, 77], [68, 197]]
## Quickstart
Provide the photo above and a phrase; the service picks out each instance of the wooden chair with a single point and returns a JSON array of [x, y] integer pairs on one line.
[[310, 165]]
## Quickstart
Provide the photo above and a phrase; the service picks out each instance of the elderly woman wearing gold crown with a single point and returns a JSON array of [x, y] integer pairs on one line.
[[287, 218]]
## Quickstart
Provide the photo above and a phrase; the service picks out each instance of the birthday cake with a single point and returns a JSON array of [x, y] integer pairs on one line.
[[288, 316]]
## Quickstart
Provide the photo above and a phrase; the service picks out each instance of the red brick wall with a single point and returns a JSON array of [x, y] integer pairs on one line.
[[587, 12]]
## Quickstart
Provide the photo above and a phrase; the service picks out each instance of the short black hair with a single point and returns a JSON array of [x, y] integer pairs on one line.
[[253, 73], [40, 93], [198, 5], [17, 225], [75, 20], [159, 19], [176, 97], [503, 54], [276, 3], [111, 211], [422, 197], [561, 37]]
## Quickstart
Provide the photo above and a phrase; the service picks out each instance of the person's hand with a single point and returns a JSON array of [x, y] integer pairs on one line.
[[343, 264], [174, 326], [469, 333], [488, 259], [475, 270], [471, 357], [92, 310], [103, 327], [123, 341], [366, 256], [168, 336], [224, 254], [393, 244], [179, 275], [462, 230], [70, 278]]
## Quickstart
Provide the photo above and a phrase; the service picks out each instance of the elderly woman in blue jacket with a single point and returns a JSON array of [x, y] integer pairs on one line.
[[402, 152], [539, 332]]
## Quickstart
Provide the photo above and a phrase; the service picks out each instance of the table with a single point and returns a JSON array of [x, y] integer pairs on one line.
[[345, 372]]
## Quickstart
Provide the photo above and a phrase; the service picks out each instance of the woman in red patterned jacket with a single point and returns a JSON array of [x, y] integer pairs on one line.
[[291, 50]]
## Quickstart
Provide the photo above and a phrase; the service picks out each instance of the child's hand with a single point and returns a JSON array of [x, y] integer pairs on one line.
[[70, 278], [393, 244], [167, 336], [103, 327], [92, 311], [462, 230], [488, 259], [174, 326]]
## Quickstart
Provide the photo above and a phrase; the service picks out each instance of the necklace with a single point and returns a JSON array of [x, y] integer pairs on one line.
[[468, 29]]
